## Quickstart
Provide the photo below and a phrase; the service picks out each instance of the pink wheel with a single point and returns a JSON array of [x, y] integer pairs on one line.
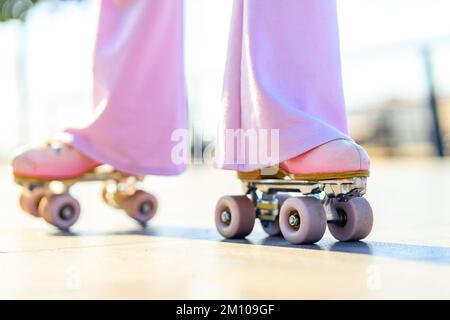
[[272, 228], [29, 200], [141, 206], [356, 219], [303, 220], [235, 216], [60, 210]]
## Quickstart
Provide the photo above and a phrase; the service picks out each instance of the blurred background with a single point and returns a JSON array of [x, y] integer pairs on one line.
[[396, 69]]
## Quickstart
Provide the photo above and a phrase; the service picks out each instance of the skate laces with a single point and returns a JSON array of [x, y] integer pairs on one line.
[[56, 145]]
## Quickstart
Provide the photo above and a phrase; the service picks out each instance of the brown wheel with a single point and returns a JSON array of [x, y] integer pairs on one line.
[[60, 210], [141, 206], [356, 219], [235, 216], [303, 220], [105, 194], [272, 228], [29, 200]]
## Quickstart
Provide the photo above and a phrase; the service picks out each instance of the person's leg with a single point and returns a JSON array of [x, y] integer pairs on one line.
[[283, 72], [139, 95]]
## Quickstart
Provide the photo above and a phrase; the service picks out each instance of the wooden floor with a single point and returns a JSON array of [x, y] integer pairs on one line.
[[181, 255]]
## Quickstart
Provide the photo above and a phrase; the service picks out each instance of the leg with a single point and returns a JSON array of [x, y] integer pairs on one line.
[[139, 87], [139, 94], [283, 72]]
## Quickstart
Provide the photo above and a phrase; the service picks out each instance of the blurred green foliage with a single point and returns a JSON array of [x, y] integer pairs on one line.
[[18, 9], [15, 9]]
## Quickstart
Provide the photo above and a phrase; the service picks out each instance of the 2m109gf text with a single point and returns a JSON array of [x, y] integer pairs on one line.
[[224, 309]]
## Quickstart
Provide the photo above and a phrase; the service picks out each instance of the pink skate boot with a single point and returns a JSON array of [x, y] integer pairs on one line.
[[337, 159], [46, 174], [330, 179], [53, 160]]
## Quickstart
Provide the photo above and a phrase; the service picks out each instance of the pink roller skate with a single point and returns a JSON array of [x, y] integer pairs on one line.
[[330, 181], [46, 174]]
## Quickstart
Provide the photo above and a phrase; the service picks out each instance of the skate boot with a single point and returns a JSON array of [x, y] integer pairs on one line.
[[322, 186], [46, 174]]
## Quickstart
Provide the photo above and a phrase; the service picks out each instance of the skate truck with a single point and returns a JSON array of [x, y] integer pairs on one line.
[[300, 210], [50, 198]]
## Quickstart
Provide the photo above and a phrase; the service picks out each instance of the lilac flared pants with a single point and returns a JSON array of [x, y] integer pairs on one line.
[[283, 72]]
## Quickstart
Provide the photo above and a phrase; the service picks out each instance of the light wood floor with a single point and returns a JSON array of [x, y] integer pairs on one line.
[[181, 255]]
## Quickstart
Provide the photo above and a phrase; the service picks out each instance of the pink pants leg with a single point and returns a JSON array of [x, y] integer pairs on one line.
[[283, 72], [139, 87]]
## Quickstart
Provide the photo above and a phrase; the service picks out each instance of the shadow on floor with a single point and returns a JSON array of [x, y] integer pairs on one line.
[[429, 254]]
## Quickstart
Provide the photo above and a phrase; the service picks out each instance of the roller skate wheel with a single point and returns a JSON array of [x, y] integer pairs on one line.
[[356, 219], [29, 200], [272, 228], [105, 194], [141, 206], [302, 220], [235, 216], [60, 210]]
